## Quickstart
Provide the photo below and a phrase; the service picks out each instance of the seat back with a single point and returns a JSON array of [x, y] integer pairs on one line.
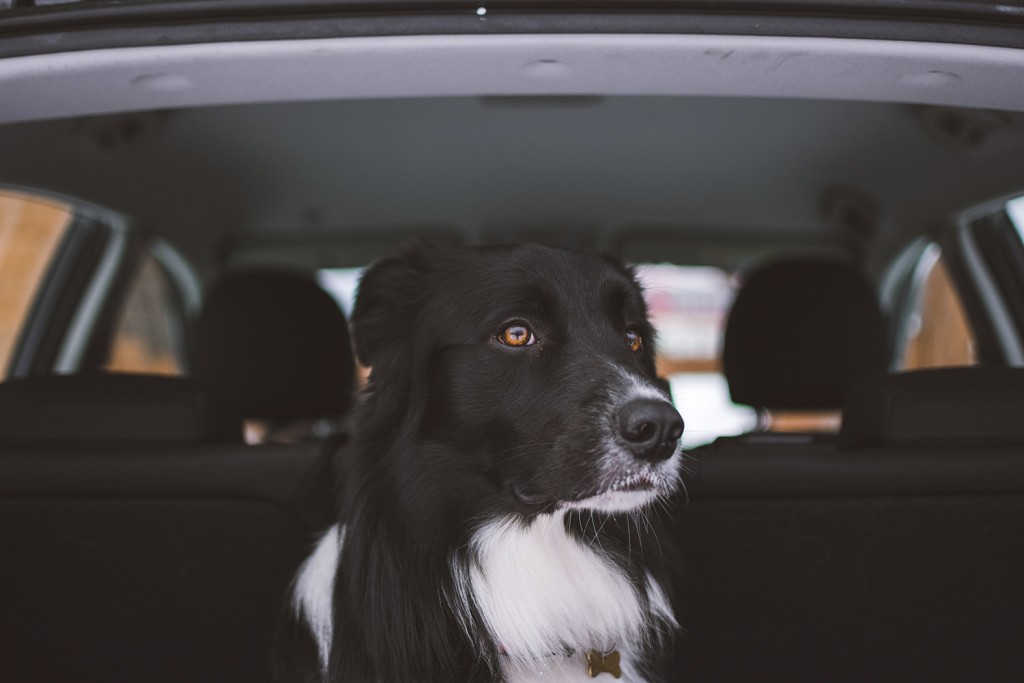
[[892, 555], [141, 539]]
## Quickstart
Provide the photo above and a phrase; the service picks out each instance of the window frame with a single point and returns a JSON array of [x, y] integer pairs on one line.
[[56, 312], [999, 243], [909, 273], [993, 299]]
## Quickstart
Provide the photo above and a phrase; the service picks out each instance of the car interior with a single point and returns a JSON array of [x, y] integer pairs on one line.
[[827, 224]]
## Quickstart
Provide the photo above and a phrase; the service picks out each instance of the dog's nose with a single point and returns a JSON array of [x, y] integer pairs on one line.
[[650, 428]]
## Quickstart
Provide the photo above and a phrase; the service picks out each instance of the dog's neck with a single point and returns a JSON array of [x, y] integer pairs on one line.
[[544, 597]]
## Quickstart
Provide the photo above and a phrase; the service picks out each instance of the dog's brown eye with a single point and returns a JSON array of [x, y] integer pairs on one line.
[[635, 341], [516, 334]]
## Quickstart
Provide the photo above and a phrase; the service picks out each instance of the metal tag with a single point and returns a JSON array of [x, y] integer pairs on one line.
[[603, 663]]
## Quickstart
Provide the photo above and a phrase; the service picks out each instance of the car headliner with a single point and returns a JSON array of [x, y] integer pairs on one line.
[[664, 147]]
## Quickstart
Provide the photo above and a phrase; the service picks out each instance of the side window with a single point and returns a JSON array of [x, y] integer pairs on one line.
[[936, 332], [1015, 210], [30, 232], [342, 283], [149, 333]]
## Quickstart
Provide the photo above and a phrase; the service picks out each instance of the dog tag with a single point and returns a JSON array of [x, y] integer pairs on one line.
[[598, 663]]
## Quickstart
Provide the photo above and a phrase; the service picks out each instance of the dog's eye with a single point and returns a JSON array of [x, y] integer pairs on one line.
[[516, 334], [635, 341]]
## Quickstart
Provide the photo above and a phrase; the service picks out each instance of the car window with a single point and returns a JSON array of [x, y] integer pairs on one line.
[[936, 330], [341, 284], [149, 334], [30, 232], [1015, 210]]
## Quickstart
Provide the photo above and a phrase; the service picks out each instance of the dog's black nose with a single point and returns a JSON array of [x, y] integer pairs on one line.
[[650, 428]]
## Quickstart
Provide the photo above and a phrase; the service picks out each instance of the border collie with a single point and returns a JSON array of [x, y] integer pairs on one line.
[[507, 450]]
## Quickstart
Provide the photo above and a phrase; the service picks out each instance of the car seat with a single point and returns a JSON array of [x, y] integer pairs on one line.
[[801, 332], [278, 345]]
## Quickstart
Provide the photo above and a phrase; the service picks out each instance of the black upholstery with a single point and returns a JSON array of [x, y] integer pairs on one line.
[[870, 587], [116, 409], [822, 470], [274, 475], [894, 558], [127, 558], [801, 331], [277, 344], [974, 405], [142, 540]]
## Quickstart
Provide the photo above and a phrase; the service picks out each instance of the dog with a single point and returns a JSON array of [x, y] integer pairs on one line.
[[507, 452]]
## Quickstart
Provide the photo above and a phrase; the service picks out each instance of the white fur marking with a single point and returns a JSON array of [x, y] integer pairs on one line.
[[539, 590], [313, 597], [659, 603], [637, 387]]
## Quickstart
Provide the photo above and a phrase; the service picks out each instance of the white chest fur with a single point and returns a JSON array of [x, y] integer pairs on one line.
[[313, 596], [540, 591]]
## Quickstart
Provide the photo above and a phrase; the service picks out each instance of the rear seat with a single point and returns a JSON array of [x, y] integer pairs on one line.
[[892, 555], [140, 539]]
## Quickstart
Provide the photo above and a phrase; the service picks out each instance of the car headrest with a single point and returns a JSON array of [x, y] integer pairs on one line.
[[276, 343], [948, 406], [800, 333], [77, 410]]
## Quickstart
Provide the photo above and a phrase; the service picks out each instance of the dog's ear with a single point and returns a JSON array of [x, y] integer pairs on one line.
[[386, 303]]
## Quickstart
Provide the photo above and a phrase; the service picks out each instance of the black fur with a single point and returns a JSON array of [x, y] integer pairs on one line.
[[454, 428]]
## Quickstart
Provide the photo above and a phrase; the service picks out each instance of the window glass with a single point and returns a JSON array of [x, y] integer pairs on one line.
[[341, 283], [1015, 209], [148, 337], [936, 333], [30, 231]]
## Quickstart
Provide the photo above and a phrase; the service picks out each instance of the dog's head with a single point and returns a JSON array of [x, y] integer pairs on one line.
[[524, 376]]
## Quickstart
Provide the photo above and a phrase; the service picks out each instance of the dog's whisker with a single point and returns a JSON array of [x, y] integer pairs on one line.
[[597, 536], [593, 539], [654, 534], [629, 540], [640, 534], [663, 506]]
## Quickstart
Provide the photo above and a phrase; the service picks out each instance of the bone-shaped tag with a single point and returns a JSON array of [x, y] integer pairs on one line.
[[600, 663]]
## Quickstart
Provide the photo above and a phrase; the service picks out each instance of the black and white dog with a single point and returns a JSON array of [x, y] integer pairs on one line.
[[509, 444]]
